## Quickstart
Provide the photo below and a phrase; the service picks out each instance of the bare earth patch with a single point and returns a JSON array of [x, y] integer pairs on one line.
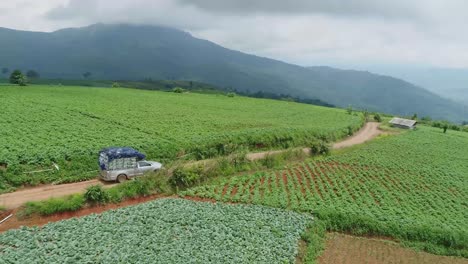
[[344, 249]]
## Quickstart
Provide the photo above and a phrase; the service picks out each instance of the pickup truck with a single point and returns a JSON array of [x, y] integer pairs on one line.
[[121, 175]]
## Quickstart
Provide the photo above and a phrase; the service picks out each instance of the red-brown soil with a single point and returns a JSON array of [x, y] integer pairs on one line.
[[37, 220], [346, 249]]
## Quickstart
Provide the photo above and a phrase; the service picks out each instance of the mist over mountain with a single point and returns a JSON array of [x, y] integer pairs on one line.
[[131, 52], [446, 82]]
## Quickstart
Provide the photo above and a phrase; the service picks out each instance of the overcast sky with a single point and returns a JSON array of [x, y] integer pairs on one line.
[[306, 32]]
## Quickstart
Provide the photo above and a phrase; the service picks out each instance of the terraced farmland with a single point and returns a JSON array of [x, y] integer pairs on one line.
[[163, 231], [412, 186], [69, 125]]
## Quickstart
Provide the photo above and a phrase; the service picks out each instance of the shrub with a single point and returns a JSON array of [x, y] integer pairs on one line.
[[135, 188], [377, 118], [315, 239], [319, 148], [115, 194], [178, 90], [15, 76], [96, 195], [22, 81], [231, 94], [366, 115], [53, 205], [186, 177], [271, 161], [115, 85], [445, 127]]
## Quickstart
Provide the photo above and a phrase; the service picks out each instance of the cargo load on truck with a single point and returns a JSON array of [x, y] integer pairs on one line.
[[122, 163], [116, 158]]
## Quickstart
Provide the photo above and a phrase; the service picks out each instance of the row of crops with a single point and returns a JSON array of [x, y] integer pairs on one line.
[[413, 186], [163, 231], [69, 125]]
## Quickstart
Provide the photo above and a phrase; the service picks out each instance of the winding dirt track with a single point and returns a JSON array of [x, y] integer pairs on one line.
[[18, 198], [368, 132]]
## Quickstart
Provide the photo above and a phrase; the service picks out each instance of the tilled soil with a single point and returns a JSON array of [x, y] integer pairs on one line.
[[346, 249]]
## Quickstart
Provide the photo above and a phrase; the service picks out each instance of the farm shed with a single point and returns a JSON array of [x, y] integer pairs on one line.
[[403, 123]]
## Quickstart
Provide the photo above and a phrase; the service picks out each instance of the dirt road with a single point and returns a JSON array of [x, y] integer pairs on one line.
[[368, 132], [18, 198], [43, 192]]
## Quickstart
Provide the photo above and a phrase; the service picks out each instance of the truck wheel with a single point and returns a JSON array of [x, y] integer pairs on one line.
[[121, 178]]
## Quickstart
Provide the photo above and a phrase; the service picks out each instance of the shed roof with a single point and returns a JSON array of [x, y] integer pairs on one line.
[[403, 122]]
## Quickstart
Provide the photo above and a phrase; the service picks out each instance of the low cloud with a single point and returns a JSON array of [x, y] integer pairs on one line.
[[417, 32], [378, 8]]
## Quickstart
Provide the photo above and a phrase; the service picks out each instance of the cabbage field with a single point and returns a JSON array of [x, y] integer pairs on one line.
[[69, 125], [163, 231], [412, 186]]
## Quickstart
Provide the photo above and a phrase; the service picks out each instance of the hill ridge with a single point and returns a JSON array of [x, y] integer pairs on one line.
[[136, 52]]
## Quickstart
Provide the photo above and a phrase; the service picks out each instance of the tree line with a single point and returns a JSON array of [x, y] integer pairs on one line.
[[17, 76]]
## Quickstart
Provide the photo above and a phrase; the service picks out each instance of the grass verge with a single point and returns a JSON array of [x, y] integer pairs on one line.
[[166, 182], [432, 240], [314, 237]]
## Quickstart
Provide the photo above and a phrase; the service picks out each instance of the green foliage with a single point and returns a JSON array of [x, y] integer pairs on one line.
[[271, 161], [178, 90], [187, 177], [69, 125], [349, 109], [445, 127], [315, 239], [22, 81], [138, 187], [96, 195], [16, 76], [115, 85], [54, 205], [377, 118], [319, 148], [231, 94], [385, 187], [165, 230], [366, 115]]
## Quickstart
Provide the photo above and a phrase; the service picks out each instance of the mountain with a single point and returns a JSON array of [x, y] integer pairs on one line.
[[135, 52], [451, 83]]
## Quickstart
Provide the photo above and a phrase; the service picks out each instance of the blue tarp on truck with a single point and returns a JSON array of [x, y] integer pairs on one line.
[[109, 154]]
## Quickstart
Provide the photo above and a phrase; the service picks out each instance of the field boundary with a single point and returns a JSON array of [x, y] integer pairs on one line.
[[15, 199]]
